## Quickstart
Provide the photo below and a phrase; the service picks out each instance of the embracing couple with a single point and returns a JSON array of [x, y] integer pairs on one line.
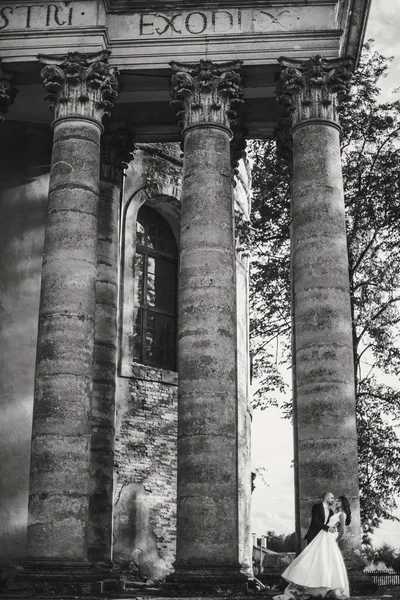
[[320, 570]]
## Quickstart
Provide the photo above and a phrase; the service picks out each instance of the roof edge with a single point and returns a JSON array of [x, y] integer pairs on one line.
[[355, 31]]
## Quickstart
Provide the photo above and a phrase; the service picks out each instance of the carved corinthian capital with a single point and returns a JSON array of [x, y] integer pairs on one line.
[[82, 85], [310, 89], [7, 92], [116, 152], [205, 93]]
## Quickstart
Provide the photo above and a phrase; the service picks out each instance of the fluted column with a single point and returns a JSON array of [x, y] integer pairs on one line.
[[81, 89], [325, 417], [116, 148], [7, 92], [207, 510]]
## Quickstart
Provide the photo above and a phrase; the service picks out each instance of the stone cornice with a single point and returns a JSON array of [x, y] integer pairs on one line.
[[204, 93], [7, 92], [148, 5], [354, 28], [116, 152], [309, 89], [81, 85]]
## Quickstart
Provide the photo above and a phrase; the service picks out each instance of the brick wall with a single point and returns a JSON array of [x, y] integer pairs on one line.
[[145, 471]]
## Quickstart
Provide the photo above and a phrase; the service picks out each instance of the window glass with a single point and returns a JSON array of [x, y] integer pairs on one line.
[[155, 285]]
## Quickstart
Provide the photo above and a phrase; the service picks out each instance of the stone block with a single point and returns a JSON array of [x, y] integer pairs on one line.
[[68, 415]]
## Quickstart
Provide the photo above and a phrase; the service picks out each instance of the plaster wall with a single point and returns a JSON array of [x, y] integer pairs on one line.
[[25, 152]]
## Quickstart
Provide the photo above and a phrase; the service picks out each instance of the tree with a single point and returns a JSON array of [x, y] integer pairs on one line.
[[371, 166], [386, 554], [281, 542]]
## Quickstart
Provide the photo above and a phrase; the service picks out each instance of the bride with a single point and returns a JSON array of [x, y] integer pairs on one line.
[[320, 570]]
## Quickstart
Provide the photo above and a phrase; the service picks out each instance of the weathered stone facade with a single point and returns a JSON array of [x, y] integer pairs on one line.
[[147, 397], [144, 500], [113, 312]]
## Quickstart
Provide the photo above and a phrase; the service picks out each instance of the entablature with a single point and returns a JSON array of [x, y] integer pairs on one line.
[[153, 33], [144, 37]]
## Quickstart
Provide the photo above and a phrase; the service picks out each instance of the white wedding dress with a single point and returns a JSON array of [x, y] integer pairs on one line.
[[319, 570]]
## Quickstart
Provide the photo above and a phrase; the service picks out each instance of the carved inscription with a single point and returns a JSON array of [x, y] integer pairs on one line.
[[45, 16], [201, 23], [275, 19], [192, 23], [151, 25]]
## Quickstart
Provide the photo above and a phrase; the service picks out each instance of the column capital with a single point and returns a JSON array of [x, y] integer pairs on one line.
[[7, 92], [116, 152], [309, 89], [205, 93], [80, 85]]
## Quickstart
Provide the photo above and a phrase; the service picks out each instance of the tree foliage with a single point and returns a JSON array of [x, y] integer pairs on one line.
[[371, 166], [385, 554], [281, 542]]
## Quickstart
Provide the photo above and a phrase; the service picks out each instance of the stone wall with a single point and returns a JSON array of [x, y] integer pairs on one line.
[[24, 157], [146, 434], [146, 428], [145, 465]]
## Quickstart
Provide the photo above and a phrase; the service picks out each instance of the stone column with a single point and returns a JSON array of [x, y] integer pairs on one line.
[[325, 417], [207, 510], [81, 89], [116, 147]]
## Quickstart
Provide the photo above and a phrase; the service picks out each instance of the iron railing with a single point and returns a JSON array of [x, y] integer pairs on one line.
[[384, 578]]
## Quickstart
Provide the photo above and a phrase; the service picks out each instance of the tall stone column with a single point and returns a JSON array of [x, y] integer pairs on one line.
[[81, 90], [207, 511], [325, 412], [7, 92], [116, 148]]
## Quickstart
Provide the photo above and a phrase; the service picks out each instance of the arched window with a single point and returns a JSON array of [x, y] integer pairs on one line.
[[155, 282]]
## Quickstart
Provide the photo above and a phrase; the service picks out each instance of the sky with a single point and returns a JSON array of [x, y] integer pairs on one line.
[[272, 443]]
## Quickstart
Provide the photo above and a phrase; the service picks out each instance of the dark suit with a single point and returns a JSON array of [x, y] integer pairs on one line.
[[317, 521]]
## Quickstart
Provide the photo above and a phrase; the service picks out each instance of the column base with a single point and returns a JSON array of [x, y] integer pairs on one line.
[[62, 578], [361, 584], [205, 581]]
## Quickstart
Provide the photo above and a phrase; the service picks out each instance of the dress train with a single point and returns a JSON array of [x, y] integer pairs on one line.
[[319, 570]]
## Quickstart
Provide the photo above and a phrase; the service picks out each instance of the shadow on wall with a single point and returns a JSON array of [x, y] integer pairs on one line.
[[24, 157], [135, 544]]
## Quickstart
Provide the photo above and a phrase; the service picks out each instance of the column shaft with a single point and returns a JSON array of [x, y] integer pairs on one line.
[[324, 393], [59, 485], [115, 154], [208, 429], [81, 89], [207, 435], [324, 378], [104, 379]]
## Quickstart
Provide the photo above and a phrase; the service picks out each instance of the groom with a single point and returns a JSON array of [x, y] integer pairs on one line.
[[320, 515]]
